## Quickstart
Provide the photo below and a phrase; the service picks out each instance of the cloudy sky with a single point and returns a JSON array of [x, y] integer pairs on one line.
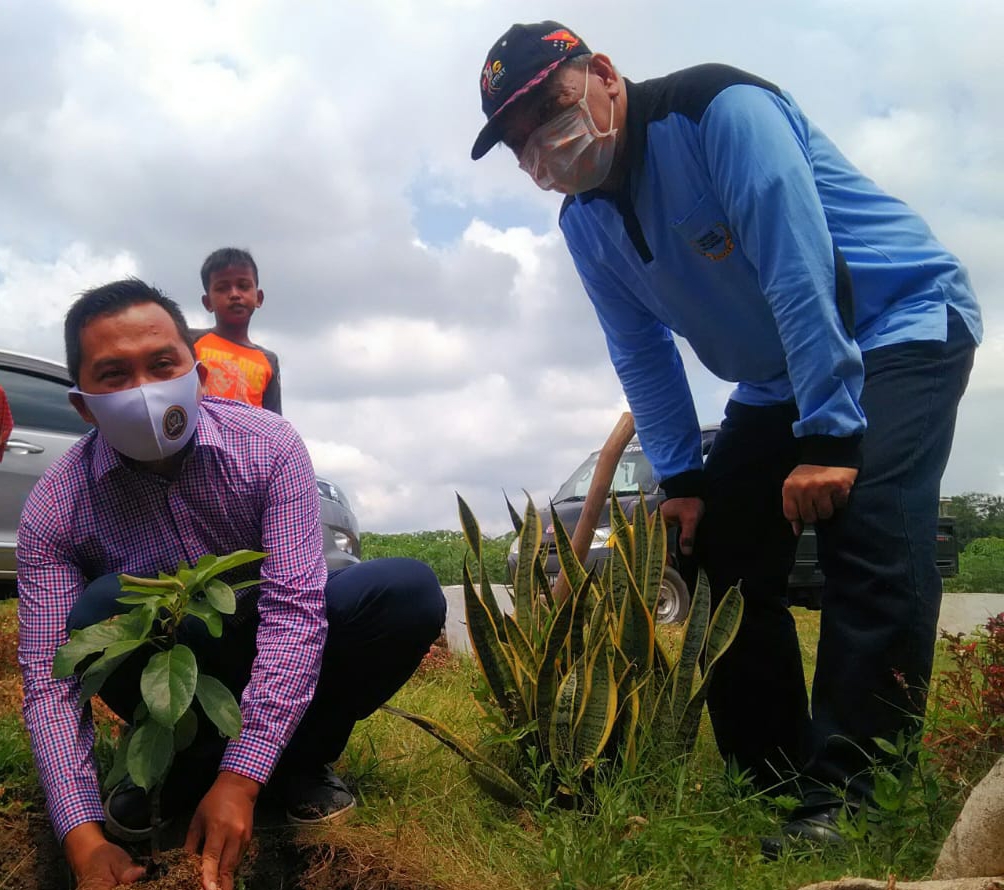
[[432, 332]]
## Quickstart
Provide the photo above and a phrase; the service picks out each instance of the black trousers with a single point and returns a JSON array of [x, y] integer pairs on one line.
[[882, 593], [382, 617]]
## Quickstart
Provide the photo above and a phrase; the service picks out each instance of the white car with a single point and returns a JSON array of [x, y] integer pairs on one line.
[[46, 425]]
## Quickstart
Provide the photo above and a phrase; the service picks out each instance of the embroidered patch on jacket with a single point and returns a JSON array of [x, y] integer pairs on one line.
[[715, 244]]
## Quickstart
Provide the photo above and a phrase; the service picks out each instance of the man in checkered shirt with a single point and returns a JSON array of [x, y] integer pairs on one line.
[[308, 654]]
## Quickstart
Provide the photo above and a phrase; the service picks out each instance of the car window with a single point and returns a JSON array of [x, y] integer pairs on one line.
[[633, 470], [40, 403]]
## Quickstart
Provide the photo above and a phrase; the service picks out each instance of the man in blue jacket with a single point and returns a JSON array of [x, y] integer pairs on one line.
[[705, 204]]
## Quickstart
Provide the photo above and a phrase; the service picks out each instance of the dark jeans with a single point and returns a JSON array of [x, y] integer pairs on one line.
[[882, 594], [382, 617]]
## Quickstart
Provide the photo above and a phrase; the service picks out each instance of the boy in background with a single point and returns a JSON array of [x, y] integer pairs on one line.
[[238, 368]]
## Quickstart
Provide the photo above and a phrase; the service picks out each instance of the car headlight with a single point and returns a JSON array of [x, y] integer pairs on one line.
[[341, 541], [514, 547], [601, 537]]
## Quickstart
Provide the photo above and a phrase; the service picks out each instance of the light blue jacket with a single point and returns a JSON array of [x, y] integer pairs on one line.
[[742, 228]]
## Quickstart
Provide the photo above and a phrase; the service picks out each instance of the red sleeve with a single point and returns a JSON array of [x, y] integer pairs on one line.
[[6, 421]]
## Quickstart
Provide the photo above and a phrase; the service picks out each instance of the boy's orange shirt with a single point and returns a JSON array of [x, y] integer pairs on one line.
[[236, 372]]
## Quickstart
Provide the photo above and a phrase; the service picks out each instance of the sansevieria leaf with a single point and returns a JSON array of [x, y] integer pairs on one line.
[[598, 708], [491, 654], [694, 632]]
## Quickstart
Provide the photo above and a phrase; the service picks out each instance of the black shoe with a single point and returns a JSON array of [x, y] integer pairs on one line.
[[315, 795], [813, 831], [127, 813]]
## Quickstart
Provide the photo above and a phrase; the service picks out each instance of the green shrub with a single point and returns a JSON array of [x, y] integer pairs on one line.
[[981, 568], [443, 551]]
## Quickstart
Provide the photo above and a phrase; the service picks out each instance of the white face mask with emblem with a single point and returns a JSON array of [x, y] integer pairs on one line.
[[151, 421], [569, 154]]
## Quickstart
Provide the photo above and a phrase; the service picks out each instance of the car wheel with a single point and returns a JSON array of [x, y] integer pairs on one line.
[[674, 599]]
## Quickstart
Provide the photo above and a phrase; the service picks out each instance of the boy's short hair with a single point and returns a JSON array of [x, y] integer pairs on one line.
[[107, 300], [224, 257]]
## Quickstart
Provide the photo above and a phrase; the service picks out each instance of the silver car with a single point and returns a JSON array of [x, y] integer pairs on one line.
[[46, 425]]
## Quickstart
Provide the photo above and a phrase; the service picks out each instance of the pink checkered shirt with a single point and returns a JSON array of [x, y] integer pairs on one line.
[[247, 483]]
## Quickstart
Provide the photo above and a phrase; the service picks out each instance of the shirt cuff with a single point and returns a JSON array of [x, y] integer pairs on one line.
[[68, 814], [830, 451], [254, 758], [689, 484]]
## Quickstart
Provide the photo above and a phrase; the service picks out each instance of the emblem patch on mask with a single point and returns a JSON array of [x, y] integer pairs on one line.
[[563, 40], [715, 244], [492, 76], [175, 422]]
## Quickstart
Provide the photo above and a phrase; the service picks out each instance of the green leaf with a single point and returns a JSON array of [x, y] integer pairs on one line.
[[636, 629], [650, 581], [639, 541], [139, 599], [517, 520], [220, 705], [119, 768], [208, 615], [210, 566], [522, 582], [486, 774], [563, 718], [472, 533], [94, 677], [133, 625], [598, 710], [151, 750], [492, 656], [694, 632], [547, 676], [168, 684], [886, 746], [185, 730], [569, 562], [221, 596]]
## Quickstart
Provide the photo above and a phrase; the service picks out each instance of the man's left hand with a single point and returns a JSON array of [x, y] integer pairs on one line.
[[813, 492], [222, 827]]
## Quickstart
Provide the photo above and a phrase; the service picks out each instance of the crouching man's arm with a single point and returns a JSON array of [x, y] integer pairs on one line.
[[61, 732], [292, 630]]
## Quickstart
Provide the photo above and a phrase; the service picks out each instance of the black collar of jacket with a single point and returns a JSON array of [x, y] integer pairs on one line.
[[639, 112]]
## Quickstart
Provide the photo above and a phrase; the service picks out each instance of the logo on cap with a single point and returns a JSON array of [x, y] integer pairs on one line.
[[175, 421], [492, 76], [563, 40]]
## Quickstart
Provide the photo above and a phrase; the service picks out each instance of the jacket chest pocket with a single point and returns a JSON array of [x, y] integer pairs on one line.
[[706, 230]]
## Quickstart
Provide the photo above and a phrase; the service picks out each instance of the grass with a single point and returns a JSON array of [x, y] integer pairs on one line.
[[422, 823]]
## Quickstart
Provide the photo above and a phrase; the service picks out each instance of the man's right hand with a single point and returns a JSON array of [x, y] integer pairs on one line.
[[685, 513], [97, 863]]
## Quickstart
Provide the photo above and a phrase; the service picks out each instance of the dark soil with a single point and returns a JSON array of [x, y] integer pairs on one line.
[[345, 858]]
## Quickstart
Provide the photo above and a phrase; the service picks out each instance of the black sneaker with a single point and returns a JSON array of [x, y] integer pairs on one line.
[[315, 795], [814, 832], [127, 813]]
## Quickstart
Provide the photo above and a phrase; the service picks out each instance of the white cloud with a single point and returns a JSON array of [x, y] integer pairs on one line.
[[433, 334]]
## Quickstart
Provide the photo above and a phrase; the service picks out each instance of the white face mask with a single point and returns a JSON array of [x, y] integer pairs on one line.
[[151, 421], [569, 154]]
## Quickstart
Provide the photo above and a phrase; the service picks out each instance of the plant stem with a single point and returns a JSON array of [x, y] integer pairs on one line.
[[155, 823], [165, 583]]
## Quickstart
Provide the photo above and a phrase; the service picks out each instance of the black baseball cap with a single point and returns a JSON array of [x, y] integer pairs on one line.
[[520, 60]]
